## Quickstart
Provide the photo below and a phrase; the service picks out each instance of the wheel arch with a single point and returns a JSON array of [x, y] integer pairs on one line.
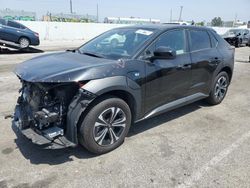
[[228, 70], [122, 94], [97, 91], [22, 36]]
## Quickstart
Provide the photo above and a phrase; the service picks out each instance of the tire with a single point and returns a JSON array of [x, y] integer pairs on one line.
[[219, 88], [24, 42], [98, 133], [236, 44]]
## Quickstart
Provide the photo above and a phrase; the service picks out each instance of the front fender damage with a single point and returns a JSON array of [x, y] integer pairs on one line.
[[42, 110], [76, 108]]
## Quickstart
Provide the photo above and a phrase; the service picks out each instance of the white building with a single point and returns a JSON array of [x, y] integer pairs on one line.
[[131, 20]]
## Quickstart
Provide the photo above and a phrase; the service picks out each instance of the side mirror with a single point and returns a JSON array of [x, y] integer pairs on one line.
[[164, 53]]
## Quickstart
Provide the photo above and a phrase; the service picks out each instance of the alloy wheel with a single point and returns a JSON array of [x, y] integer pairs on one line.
[[24, 43], [109, 126], [221, 88]]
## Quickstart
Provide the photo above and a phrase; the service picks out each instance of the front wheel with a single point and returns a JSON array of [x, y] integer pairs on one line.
[[105, 126], [219, 90]]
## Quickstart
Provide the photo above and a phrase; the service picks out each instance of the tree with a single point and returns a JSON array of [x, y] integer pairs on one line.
[[217, 21], [200, 24]]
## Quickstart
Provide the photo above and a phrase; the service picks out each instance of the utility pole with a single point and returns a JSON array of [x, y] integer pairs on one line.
[[171, 16], [97, 13], [235, 20], [71, 7], [180, 13]]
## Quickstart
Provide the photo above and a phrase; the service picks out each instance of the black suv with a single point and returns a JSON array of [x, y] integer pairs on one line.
[[93, 94]]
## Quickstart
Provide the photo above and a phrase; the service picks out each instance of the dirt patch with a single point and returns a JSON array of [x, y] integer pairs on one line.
[[7, 68], [7, 151]]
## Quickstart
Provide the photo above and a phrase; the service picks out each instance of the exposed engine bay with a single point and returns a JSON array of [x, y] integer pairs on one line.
[[42, 109]]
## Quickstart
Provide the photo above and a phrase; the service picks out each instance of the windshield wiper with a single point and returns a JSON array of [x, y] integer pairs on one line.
[[93, 54], [73, 51]]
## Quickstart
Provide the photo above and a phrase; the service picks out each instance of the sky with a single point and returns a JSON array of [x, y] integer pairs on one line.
[[197, 10]]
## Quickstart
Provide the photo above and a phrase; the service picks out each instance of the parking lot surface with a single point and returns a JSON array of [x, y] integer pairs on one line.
[[194, 146]]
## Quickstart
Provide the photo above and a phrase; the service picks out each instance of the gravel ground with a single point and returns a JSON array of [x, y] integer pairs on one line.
[[193, 146]]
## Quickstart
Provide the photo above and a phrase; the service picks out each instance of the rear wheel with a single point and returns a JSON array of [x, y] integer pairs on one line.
[[105, 126], [220, 87], [24, 42]]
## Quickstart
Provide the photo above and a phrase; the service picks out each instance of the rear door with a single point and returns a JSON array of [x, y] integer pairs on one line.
[[205, 59], [12, 31]]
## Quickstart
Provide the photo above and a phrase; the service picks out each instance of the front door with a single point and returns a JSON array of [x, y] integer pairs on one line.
[[168, 79]]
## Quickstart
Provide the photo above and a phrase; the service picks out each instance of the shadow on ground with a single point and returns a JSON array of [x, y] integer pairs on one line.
[[243, 61], [4, 51], [37, 155], [147, 124]]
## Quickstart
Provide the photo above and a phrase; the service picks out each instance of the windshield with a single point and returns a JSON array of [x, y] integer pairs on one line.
[[117, 43]]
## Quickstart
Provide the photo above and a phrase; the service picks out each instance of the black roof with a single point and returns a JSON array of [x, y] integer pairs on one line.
[[162, 27]]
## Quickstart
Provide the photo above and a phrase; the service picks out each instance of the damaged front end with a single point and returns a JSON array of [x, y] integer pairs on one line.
[[41, 112], [232, 40]]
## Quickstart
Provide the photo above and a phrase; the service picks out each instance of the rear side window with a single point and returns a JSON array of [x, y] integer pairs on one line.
[[199, 40], [221, 41], [13, 24], [22, 27], [174, 40]]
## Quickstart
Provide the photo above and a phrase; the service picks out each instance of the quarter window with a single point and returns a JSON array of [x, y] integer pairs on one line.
[[199, 40], [174, 40]]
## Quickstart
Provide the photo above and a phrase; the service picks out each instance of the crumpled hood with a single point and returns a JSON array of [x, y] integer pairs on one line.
[[64, 67]]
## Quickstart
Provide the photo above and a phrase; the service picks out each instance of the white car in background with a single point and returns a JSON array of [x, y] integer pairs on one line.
[[114, 40]]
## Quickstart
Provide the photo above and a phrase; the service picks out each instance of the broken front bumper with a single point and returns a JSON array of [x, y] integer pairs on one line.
[[51, 137]]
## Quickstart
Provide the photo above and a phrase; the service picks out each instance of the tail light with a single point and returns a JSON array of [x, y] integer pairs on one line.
[[37, 34]]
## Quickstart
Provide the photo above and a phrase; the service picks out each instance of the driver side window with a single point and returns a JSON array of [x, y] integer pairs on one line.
[[173, 39]]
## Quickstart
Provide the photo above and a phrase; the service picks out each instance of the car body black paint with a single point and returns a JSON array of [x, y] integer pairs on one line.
[[155, 85]]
